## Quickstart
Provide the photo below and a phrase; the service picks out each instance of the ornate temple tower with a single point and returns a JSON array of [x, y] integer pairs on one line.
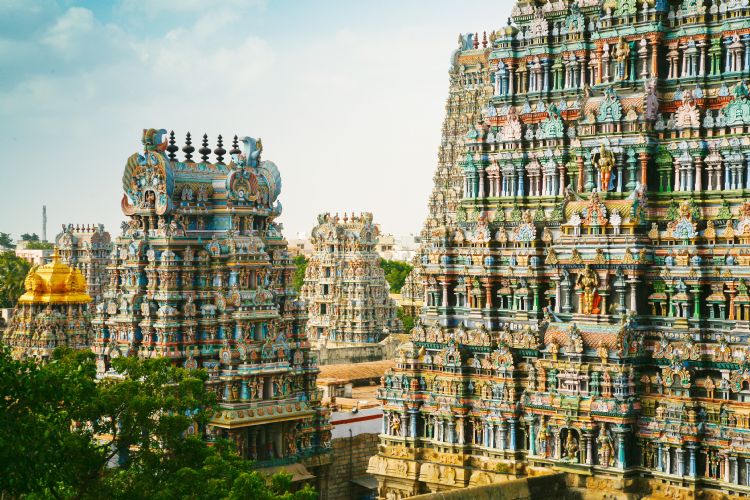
[[87, 248], [201, 275], [587, 310], [51, 313], [345, 287]]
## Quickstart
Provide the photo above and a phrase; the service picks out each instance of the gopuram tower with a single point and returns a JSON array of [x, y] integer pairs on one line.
[[345, 288], [53, 312], [201, 275], [87, 247], [587, 309]]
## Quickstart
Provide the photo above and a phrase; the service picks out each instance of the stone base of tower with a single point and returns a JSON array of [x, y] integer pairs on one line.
[[403, 472]]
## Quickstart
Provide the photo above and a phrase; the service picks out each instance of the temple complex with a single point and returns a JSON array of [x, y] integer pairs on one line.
[[585, 277], [345, 288], [51, 313], [201, 275], [87, 248]]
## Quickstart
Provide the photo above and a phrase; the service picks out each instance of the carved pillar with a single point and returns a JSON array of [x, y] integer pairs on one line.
[[644, 157], [532, 435], [621, 455], [579, 180], [692, 466], [413, 422], [487, 292], [511, 79], [512, 430], [660, 458], [633, 282]]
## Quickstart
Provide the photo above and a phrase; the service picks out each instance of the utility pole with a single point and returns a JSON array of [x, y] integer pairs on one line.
[[44, 223]]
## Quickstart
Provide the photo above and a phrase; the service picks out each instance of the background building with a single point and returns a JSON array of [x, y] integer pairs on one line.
[[345, 287], [201, 275], [585, 260], [87, 248]]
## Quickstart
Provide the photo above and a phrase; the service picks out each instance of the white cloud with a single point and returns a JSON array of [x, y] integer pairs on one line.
[[69, 30], [351, 115]]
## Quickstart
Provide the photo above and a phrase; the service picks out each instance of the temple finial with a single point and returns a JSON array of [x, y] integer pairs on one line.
[[235, 147], [188, 149], [172, 148], [220, 151], [205, 150]]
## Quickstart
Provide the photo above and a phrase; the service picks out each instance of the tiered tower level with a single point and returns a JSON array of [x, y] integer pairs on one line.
[[345, 288], [201, 275], [587, 309], [87, 248]]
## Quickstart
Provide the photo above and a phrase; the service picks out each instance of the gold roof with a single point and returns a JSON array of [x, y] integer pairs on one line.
[[54, 283]]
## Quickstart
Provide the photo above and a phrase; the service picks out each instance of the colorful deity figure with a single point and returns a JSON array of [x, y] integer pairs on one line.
[[543, 440], [622, 55], [571, 446], [604, 447], [587, 284], [604, 163]]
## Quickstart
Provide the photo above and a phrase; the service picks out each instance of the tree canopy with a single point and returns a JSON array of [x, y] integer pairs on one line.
[[6, 241], [395, 273], [299, 273], [13, 271], [39, 245], [66, 435], [30, 237]]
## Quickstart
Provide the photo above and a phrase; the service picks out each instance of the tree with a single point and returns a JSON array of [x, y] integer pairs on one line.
[[30, 237], [13, 271], [395, 273], [67, 435], [406, 319], [39, 245], [299, 273], [6, 241]]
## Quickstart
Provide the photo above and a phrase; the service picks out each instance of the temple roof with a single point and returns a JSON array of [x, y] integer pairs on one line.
[[54, 283]]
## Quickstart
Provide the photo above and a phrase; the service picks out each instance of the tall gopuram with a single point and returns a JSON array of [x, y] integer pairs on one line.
[[87, 248], [51, 313], [345, 288], [201, 275], [587, 311]]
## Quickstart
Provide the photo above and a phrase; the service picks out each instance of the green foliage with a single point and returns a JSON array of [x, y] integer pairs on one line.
[[395, 273], [6, 241], [30, 237], [299, 273], [39, 245], [406, 319], [13, 271], [62, 430]]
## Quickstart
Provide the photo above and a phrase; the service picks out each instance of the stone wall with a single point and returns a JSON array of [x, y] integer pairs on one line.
[[548, 487], [350, 458], [357, 353]]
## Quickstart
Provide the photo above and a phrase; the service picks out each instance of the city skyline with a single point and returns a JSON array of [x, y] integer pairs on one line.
[[351, 115]]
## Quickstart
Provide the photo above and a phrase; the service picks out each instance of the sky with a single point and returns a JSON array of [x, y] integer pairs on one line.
[[348, 97]]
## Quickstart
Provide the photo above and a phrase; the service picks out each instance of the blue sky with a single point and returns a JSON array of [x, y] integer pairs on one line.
[[348, 97]]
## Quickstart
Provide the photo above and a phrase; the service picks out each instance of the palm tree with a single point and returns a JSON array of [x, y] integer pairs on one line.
[[13, 271]]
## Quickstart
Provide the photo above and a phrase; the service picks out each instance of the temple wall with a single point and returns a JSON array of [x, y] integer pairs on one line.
[[550, 486], [361, 353], [350, 459]]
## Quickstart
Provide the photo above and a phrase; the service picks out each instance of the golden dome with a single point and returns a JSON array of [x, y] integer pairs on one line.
[[54, 283]]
